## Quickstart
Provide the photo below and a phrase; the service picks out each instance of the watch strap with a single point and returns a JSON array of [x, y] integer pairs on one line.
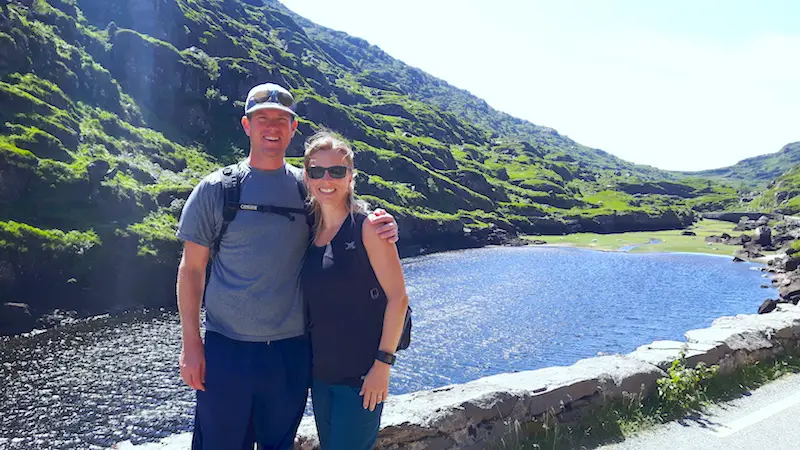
[[385, 357]]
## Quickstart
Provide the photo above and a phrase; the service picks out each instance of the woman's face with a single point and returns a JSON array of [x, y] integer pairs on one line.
[[328, 190]]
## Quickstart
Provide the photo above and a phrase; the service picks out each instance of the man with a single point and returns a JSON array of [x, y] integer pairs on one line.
[[253, 372]]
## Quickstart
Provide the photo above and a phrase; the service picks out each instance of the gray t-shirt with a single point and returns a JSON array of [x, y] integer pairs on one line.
[[253, 293]]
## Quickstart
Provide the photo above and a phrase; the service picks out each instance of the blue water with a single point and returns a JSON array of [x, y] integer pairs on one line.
[[487, 311]]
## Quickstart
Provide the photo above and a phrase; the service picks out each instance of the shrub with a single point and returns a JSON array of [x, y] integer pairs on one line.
[[684, 388]]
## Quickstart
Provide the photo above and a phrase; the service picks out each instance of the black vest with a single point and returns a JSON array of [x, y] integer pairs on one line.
[[346, 305]]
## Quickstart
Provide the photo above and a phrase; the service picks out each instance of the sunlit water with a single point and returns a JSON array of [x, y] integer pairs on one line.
[[476, 313]]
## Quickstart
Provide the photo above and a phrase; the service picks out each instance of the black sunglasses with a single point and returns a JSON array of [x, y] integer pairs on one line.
[[317, 172], [273, 96]]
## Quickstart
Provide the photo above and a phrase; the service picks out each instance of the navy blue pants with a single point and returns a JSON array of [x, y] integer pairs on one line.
[[255, 393], [342, 421]]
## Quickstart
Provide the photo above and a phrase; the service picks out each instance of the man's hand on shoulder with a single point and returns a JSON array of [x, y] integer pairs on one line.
[[388, 226]]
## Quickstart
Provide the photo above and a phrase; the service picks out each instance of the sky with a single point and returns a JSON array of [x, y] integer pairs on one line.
[[679, 85]]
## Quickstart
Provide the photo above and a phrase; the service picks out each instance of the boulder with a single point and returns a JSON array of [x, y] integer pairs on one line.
[[769, 305], [739, 240], [745, 224], [688, 233], [749, 251], [57, 318], [15, 318], [790, 291], [763, 236], [97, 170]]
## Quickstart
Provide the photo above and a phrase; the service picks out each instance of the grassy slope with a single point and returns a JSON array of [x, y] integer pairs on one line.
[[669, 241], [782, 195], [756, 171]]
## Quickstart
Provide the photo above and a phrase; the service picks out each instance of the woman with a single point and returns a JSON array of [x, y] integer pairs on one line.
[[356, 299]]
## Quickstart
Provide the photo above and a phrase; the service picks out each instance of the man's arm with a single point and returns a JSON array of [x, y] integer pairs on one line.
[[191, 283], [387, 226]]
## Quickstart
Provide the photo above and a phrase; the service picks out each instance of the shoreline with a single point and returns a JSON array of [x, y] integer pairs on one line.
[[762, 260], [71, 316]]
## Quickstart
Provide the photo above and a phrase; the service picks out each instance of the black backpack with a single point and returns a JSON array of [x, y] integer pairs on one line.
[[366, 267]]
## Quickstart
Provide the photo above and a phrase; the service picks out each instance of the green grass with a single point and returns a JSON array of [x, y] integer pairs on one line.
[[23, 238], [669, 241]]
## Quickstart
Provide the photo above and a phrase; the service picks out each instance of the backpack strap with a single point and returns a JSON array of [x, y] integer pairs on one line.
[[231, 191], [362, 258], [301, 188]]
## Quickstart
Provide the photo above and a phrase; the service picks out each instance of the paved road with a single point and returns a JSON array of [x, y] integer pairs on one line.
[[765, 419]]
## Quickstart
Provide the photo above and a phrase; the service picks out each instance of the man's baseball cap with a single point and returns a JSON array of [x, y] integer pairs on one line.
[[269, 95]]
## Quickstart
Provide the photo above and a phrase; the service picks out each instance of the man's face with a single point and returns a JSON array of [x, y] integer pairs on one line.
[[270, 131]]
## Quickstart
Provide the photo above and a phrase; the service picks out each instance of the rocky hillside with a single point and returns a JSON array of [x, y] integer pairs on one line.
[[757, 171], [781, 195], [113, 110]]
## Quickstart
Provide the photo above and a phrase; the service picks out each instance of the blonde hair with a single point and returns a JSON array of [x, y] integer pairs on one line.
[[327, 140]]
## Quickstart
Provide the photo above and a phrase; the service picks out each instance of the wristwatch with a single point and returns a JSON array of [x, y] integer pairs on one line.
[[385, 357]]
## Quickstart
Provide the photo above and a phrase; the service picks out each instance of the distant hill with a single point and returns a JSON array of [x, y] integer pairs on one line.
[[757, 171], [782, 195]]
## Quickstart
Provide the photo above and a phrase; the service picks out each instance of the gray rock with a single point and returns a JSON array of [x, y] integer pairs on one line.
[[739, 240], [769, 305], [97, 170], [749, 251], [763, 236], [791, 290], [15, 318], [662, 353], [745, 224]]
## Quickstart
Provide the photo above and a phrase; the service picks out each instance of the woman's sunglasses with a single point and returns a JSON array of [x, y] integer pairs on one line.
[[337, 172]]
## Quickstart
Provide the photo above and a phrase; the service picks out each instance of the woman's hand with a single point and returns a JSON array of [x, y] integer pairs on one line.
[[375, 388]]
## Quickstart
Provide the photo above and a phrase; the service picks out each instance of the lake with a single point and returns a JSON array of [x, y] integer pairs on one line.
[[476, 313]]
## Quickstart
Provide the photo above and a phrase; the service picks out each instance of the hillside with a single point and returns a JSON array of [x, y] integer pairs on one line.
[[112, 111], [757, 171], [782, 195]]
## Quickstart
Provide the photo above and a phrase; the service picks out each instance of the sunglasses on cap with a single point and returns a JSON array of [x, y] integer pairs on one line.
[[273, 96], [337, 172]]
